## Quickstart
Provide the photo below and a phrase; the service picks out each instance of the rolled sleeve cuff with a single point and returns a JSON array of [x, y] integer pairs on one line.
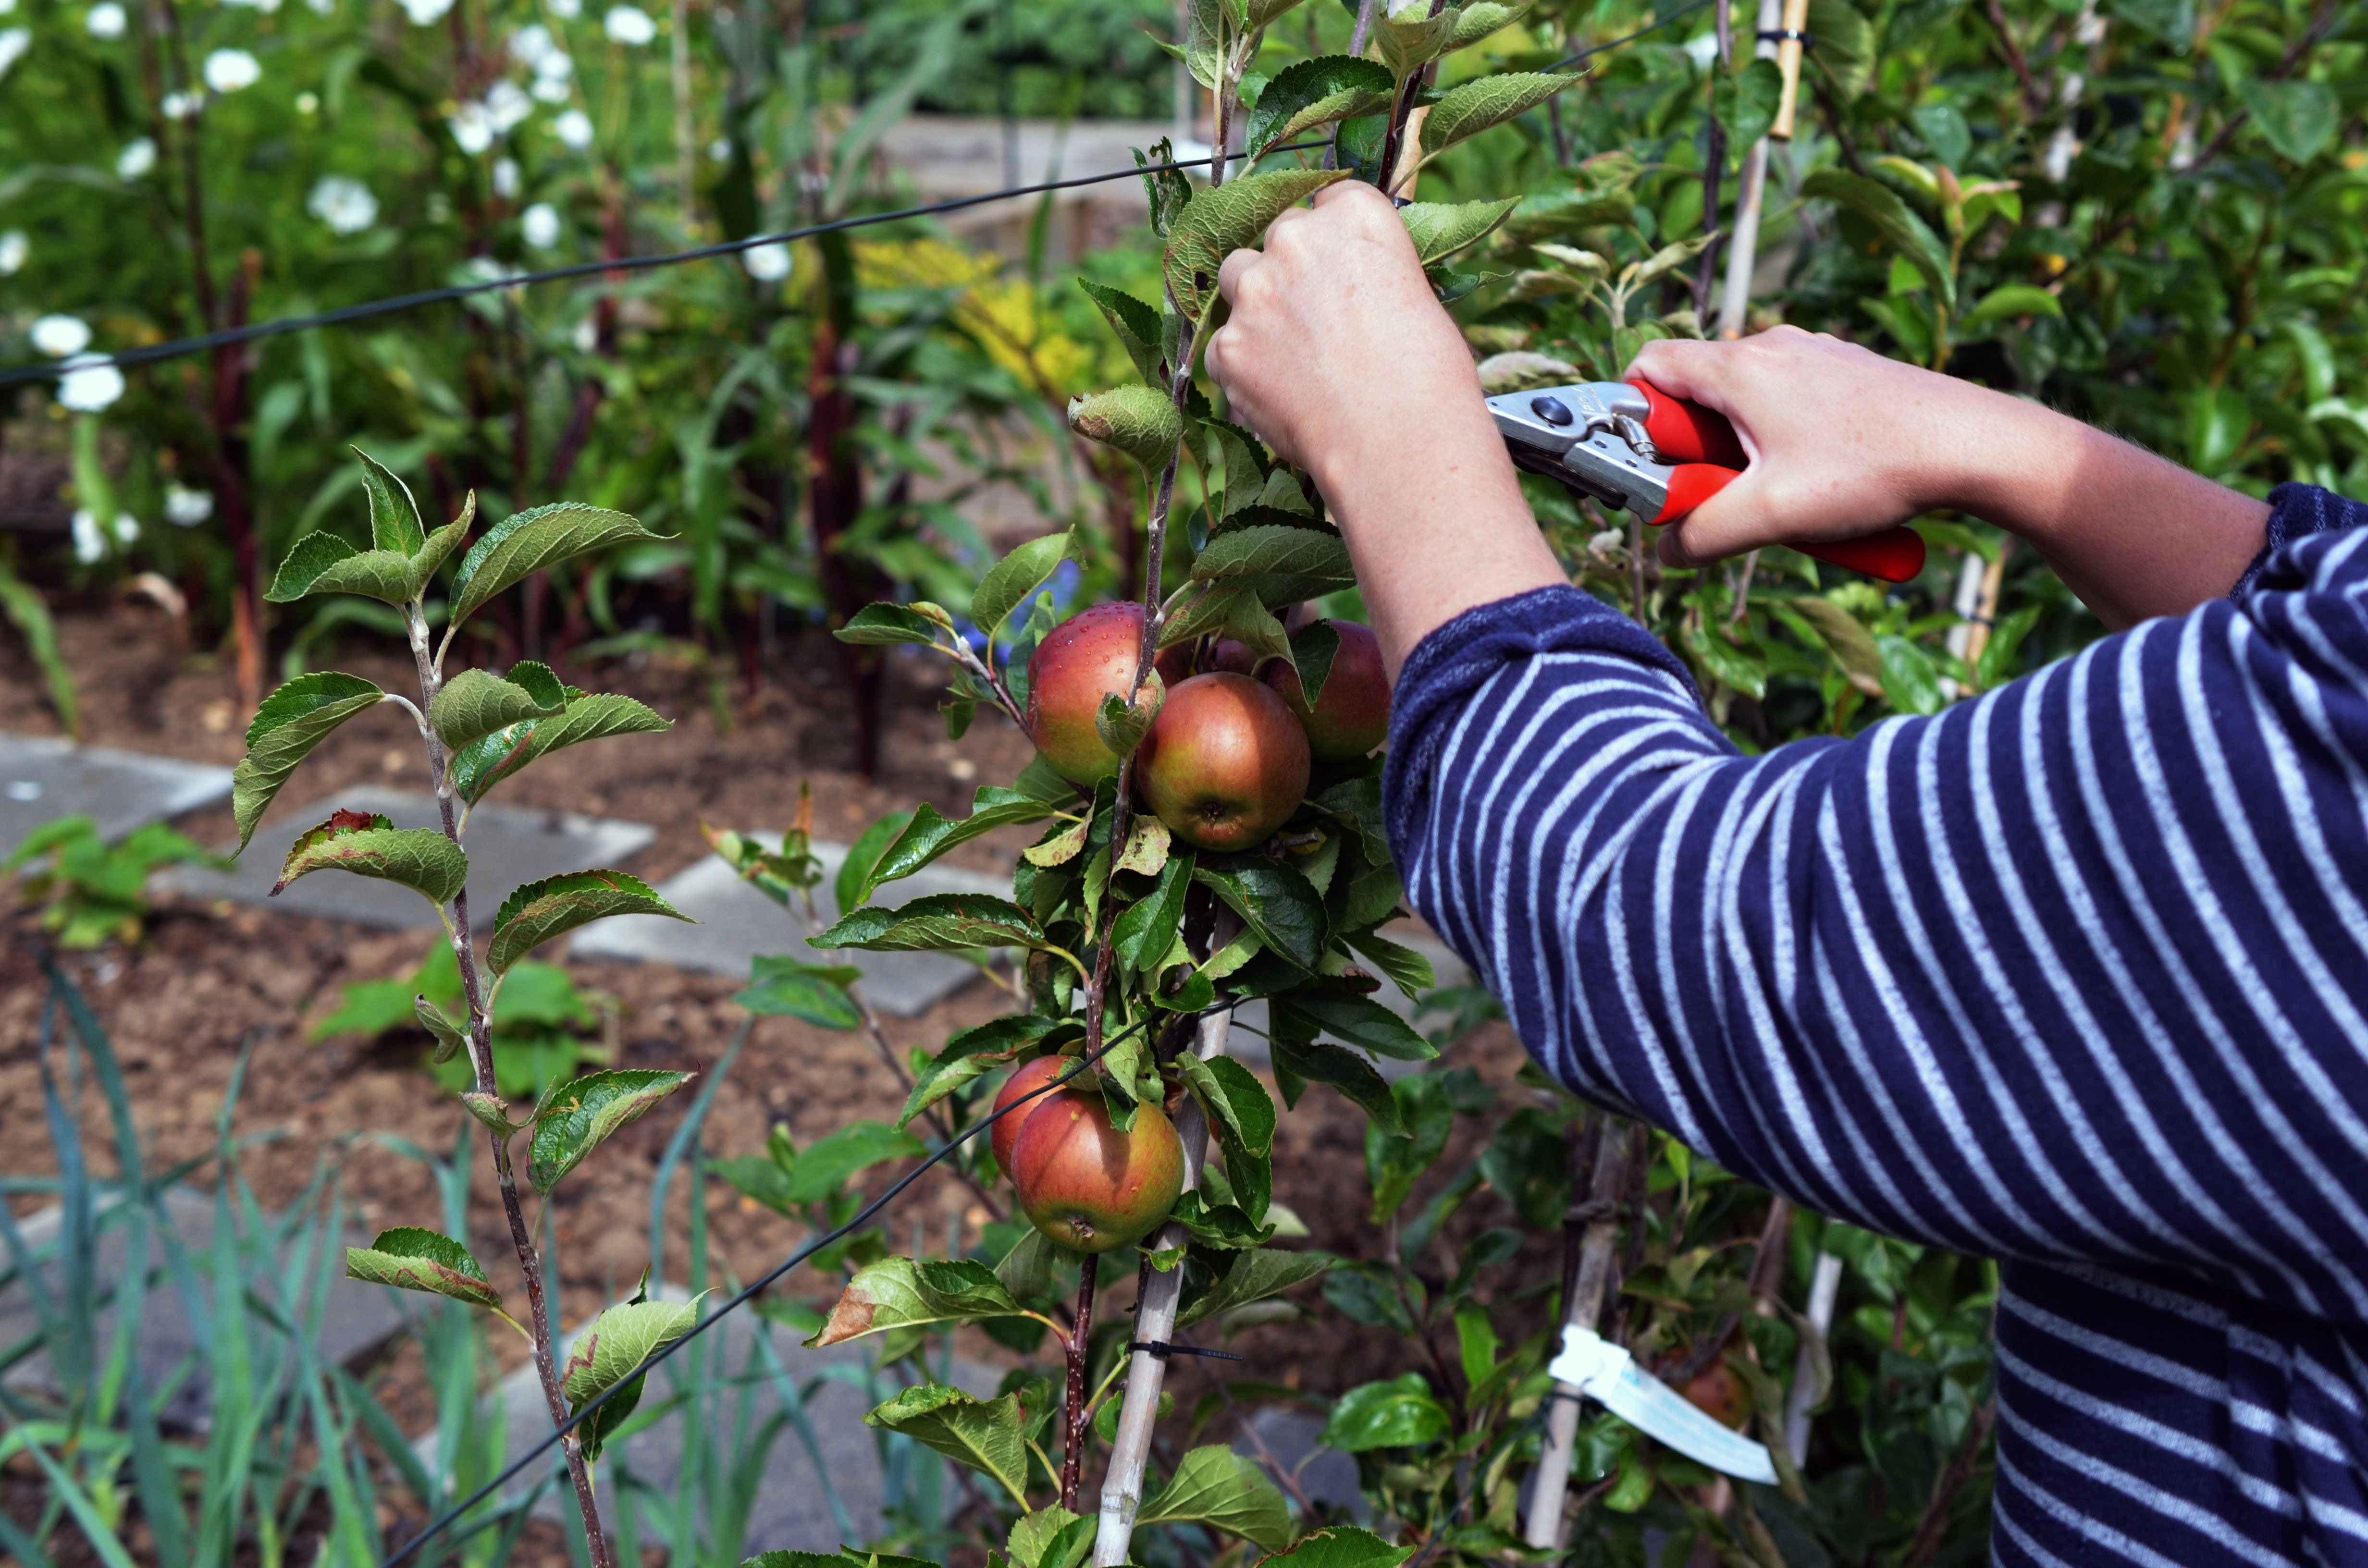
[[2297, 512]]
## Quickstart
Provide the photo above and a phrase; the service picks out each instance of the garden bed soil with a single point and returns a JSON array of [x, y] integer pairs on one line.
[[213, 979]]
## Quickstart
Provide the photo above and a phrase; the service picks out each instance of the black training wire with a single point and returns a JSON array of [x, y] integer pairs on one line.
[[518, 1466], [15, 375]]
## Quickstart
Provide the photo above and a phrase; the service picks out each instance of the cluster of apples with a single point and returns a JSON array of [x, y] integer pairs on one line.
[[1227, 760]]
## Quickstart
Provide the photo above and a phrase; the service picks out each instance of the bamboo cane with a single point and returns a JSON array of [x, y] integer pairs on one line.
[[1584, 1308], [1743, 245], [1788, 62]]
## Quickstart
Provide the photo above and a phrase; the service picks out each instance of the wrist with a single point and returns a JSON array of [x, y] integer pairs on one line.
[[2010, 461]]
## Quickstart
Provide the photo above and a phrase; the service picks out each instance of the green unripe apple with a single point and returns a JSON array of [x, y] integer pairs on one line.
[[1225, 763]]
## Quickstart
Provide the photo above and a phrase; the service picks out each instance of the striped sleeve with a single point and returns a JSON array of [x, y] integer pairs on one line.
[[2076, 972]]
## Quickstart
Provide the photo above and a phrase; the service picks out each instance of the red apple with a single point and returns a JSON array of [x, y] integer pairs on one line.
[[1721, 1395], [1352, 707], [1175, 662], [1224, 763], [1087, 1184], [1080, 660], [1028, 1077]]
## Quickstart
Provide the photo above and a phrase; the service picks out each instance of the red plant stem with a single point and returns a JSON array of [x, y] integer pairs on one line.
[[231, 493], [1073, 1432]]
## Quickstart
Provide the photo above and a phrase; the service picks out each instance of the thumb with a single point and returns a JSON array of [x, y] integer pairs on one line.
[[1733, 521]]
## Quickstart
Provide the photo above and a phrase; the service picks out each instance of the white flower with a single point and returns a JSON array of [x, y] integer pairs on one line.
[[266, 7], [59, 337], [485, 269], [127, 528], [539, 225], [229, 70], [13, 249], [6, 6], [136, 159], [89, 544], [629, 25], [554, 66], [185, 508], [720, 150], [307, 103], [343, 203], [587, 335], [505, 177], [566, 10], [550, 90], [91, 385], [321, 7], [180, 106], [574, 128], [530, 43], [473, 128], [105, 20], [767, 264], [505, 105], [423, 12], [14, 42]]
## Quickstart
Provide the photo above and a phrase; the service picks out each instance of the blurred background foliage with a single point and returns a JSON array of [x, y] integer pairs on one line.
[[2146, 212]]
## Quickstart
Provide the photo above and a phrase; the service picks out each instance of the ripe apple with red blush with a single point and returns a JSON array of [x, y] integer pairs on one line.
[[1225, 763], [1088, 656], [1087, 1184], [1351, 715]]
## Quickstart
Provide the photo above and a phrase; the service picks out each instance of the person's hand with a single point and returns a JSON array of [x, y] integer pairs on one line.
[[1843, 442]]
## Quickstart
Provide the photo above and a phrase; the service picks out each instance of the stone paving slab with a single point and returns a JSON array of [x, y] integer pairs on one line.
[[42, 778], [507, 846], [1327, 1476], [790, 1510], [737, 923], [355, 1319]]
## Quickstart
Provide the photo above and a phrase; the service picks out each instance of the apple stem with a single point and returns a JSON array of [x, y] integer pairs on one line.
[[1073, 1433]]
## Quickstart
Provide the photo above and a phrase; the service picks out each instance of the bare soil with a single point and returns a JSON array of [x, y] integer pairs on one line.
[[212, 980]]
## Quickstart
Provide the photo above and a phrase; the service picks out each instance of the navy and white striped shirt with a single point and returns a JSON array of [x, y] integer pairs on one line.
[[2074, 975]]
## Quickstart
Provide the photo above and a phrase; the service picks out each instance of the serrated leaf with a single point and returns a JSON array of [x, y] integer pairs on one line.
[[1413, 37], [1135, 325], [1229, 610], [1465, 111], [410, 1258], [1359, 1020], [537, 912], [1244, 1111], [986, 1435], [1226, 220], [432, 556], [449, 1037], [2297, 118], [368, 845], [578, 1115], [1409, 969], [1745, 101], [1138, 420], [1010, 580], [492, 1112], [1881, 206], [1478, 20], [1346, 1071], [1250, 1277], [896, 1293], [1213, 1486], [1439, 229], [1036, 1534], [1342, 1546], [526, 542], [1275, 903], [1121, 724], [818, 1172], [1312, 648], [1205, 39], [1273, 549], [324, 564], [1166, 190], [881, 624], [1143, 934], [289, 724], [972, 1054], [394, 515], [475, 703], [1309, 93], [1401, 1413], [1148, 843], [609, 1351], [1057, 848], [927, 834], [488, 760], [787, 987], [938, 923]]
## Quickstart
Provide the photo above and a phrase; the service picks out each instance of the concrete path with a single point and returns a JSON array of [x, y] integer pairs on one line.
[[42, 778]]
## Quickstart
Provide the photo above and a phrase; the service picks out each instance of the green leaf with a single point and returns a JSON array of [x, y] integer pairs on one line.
[[288, 724], [1342, 1546], [1136, 327], [1910, 683], [525, 542], [1250, 1277], [1273, 549], [1407, 968], [1121, 724], [1411, 37], [1242, 1112], [1439, 229], [1473, 107], [578, 1115], [2297, 118], [1037, 1533], [1399, 1413], [537, 912], [896, 1293], [324, 564], [879, 625], [1275, 903], [1850, 644], [29, 614], [1359, 1020], [1845, 46], [1746, 100], [1230, 609], [787, 987], [1010, 580], [432, 556], [1881, 206], [1998, 654], [410, 1258], [1346, 1071], [1167, 193], [611, 1350], [2006, 303], [986, 1435], [488, 760], [1226, 220], [394, 515], [450, 1036], [853, 883], [1483, 18], [824, 1167], [1147, 930], [475, 703], [1309, 93], [1138, 420], [1148, 845], [1214, 1485], [1205, 39], [369, 846], [975, 1052], [938, 923], [1393, 1164], [927, 835]]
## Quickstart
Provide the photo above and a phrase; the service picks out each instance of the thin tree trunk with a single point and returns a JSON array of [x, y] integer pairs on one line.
[[1073, 1425]]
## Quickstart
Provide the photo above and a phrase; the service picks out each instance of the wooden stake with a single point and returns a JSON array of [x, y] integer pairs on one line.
[[1743, 243], [1584, 1307], [1788, 62]]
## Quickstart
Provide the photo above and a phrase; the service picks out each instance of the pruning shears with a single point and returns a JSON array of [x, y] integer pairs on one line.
[[1632, 446]]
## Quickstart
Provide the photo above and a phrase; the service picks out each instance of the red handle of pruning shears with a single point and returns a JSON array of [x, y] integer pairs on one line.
[[1708, 456]]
